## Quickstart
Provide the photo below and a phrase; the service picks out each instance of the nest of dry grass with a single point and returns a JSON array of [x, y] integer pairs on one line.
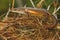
[[26, 27]]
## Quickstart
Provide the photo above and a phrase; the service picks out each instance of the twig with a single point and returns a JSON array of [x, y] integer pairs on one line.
[[3, 37], [2, 15], [6, 15], [54, 13], [8, 10], [40, 3], [48, 7], [56, 10], [32, 3], [13, 1], [55, 36], [19, 12], [25, 5], [39, 22], [58, 35]]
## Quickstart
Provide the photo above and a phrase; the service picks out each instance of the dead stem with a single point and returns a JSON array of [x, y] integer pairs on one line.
[[32, 3], [39, 5]]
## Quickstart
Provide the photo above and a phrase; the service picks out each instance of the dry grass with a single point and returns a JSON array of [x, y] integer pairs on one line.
[[26, 27]]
